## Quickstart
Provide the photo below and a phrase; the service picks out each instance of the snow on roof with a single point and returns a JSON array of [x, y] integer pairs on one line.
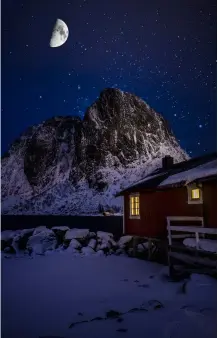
[[204, 170]]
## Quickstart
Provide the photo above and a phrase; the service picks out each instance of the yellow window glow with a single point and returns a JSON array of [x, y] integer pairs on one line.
[[134, 205], [195, 194]]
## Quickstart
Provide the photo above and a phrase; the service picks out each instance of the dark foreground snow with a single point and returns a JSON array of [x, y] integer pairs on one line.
[[46, 296]]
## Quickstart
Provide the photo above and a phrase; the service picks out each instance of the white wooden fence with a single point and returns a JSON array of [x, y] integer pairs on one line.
[[196, 230]]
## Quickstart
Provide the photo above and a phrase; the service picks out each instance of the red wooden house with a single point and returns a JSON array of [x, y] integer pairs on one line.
[[184, 189]]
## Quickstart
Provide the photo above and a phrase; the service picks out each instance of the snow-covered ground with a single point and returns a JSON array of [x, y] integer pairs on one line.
[[45, 296]]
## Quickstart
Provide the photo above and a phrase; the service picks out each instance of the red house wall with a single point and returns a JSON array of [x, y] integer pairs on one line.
[[156, 206], [210, 204]]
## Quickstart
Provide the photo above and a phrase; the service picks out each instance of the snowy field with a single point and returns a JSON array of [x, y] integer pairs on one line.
[[60, 295]]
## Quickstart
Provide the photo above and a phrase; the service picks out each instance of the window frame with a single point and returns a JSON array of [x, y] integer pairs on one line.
[[193, 187], [137, 194]]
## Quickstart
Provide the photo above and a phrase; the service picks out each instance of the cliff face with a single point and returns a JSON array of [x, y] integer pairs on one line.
[[69, 165]]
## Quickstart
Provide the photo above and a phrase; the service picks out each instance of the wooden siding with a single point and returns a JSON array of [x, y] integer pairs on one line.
[[157, 205], [210, 204]]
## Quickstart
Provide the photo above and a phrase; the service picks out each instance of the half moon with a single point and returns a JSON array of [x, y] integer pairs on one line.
[[60, 34]]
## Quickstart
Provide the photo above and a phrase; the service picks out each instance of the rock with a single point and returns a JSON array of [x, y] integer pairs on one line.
[[86, 251], [113, 243], [9, 249], [130, 252], [60, 232], [99, 240], [7, 237], [104, 235], [72, 250], [79, 234], [105, 241], [92, 243], [74, 244], [41, 242], [100, 253], [92, 235], [61, 228], [111, 252], [105, 245], [123, 241], [119, 252], [40, 229], [142, 247], [98, 247], [19, 242]]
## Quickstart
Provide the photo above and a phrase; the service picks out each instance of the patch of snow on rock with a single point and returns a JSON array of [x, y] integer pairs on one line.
[[74, 244], [92, 243], [41, 228], [77, 234], [86, 251], [104, 235], [62, 228], [124, 240], [41, 242]]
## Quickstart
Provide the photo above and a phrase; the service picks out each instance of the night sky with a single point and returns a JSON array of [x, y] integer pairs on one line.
[[163, 51]]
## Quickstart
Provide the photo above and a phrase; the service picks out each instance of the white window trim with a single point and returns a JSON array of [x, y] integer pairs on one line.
[[134, 195], [189, 189]]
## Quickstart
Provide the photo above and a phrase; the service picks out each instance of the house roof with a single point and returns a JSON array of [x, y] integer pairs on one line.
[[194, 170]]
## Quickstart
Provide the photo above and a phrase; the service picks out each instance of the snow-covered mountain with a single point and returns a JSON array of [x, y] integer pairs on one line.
[[66, 165]]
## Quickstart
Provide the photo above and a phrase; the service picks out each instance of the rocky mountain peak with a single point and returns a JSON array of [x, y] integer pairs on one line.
[[120, 134]]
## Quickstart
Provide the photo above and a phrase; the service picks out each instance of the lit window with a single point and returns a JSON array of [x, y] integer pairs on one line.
[[195, 194], [134, 206]]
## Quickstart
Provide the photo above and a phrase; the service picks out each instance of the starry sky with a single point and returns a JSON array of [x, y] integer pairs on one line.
[[163, 51]]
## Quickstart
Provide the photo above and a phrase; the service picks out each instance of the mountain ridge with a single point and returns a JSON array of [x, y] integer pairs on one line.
[[121, 138]]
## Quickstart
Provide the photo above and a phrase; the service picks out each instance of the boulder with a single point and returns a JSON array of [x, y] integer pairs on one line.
[[99, 240], [142, 247], [74, 245], [119, 252], [92, 243], [106, 236], [98, 247], [61, 228], [130, 252], [19, 242], [9, 250], [92, 235], [86, 251], [105, 245], [100, 253], [80, 234], [124, 241], [60, 232], [113, 243], [40, 229], [41, 242], [7, 237]]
